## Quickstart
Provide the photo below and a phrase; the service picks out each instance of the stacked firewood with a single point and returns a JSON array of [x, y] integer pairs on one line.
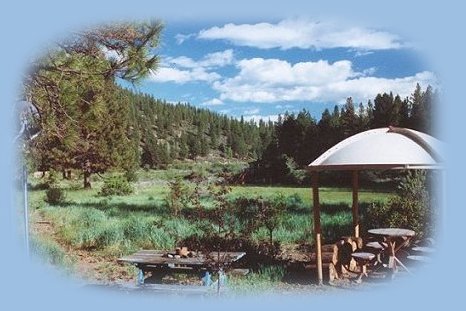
[[181, 252]]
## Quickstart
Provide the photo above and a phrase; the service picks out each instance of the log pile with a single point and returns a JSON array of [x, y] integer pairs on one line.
[[342, 262], [181, 252]]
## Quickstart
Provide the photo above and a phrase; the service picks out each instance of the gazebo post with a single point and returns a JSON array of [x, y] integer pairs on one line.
[[355, 204], [317, 229]]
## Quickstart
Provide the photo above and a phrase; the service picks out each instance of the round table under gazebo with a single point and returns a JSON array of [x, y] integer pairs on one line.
[[377, 149]]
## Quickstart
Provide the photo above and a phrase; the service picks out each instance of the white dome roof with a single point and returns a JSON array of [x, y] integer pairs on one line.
[[383, 148]]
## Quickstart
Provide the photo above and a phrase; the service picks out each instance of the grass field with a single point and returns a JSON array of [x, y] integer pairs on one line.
[[118, 225]]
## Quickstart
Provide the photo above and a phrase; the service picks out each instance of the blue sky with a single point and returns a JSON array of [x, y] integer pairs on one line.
[[261, 69]]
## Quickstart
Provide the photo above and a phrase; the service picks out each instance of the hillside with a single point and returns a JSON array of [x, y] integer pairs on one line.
[[179, 131]]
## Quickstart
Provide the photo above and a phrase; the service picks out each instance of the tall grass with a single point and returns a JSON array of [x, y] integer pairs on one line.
[[263, 280], [91, 228], [50, 252], [122, 224]]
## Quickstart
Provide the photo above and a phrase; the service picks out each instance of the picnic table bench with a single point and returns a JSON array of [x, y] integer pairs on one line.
[[158, 263]]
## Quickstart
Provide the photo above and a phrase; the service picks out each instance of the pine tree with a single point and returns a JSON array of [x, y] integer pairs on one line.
[[417, 109], [349, 122], [72, 87]]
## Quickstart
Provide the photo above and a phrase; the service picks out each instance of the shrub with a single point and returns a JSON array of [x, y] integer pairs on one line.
[[131, 175], [52, 179], [177, 197], [247, 212], [55, 195], [116, 185], [410, 209], [294, 202]]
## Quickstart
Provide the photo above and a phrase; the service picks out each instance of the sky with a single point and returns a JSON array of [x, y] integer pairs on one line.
[[261, 69]]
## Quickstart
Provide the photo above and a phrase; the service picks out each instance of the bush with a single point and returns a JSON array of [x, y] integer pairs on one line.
[[294, 202], [410, 209], [116, 185], [55, 196], [131, 175]]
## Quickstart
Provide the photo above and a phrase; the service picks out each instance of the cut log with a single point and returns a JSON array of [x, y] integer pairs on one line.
[[356, 242], [328, 248], [327, 257]]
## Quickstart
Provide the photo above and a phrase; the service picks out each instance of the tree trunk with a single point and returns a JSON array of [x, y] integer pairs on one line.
[[87, 183]]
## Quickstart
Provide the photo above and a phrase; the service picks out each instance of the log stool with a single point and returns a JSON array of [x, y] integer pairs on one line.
[[423, 250], [362, 259], [377, 248]]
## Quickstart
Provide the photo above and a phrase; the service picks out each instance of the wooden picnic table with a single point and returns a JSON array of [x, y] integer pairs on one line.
[[158, 261], [391, 236]]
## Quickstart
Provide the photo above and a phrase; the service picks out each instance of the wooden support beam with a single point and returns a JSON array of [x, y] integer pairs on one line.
[[355, 204], [317, 228]]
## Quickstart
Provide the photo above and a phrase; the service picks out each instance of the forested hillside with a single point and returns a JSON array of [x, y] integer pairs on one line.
[[179, 131], [300, 138], [90, 124]]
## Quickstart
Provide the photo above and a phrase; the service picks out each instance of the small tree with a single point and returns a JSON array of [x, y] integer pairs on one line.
[[247, 212], [224, 224], [271, 214], [176, 198], [54, 194]]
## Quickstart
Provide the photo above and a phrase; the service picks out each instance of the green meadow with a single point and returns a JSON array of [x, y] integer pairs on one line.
[[118, 225]]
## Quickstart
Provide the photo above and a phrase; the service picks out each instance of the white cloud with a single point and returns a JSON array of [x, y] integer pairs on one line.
[[181, 61], [256, 118], [284, 106], [253, 111], [299, 33], [211, 60], [369, 71], [167, 74], [212, 102], [280, 73], [225, 111], [218, 59], [180, 38], [184, 69], [272, 80]]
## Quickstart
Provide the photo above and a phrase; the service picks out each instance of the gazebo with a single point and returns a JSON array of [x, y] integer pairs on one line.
[[377, 149]]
